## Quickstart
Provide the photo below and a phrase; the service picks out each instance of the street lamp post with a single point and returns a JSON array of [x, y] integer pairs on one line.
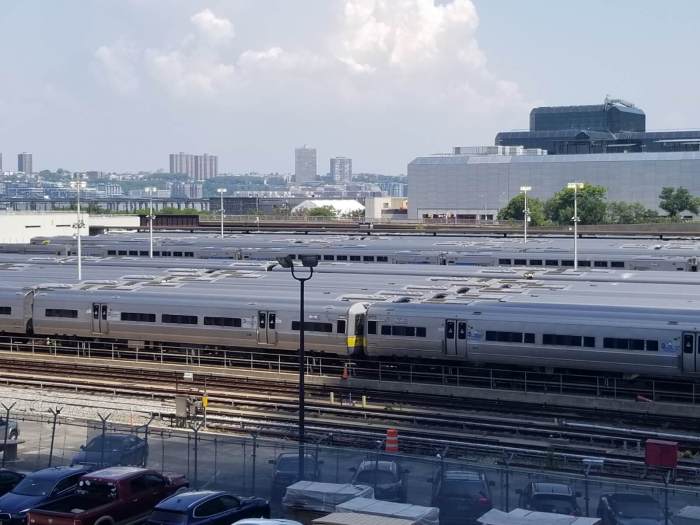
[[78, 183], [150, 192], [310, 262], [526, 212], [221, 192], [575, 186]]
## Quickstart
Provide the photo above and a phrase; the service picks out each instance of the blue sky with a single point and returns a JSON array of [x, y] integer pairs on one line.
[[118, 84]]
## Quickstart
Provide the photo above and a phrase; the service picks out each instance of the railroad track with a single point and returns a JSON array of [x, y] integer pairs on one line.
[[270, 408]]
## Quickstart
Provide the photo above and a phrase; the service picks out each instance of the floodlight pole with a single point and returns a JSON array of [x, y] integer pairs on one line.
[[78, 184], [221, 192], [302, 364], [150, 221], [526, 212], [575, 186]]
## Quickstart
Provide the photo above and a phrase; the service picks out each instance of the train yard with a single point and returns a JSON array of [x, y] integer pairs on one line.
[[473, 350]]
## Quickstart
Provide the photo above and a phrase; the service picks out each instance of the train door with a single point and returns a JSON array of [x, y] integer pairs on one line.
[[691, 352], [99, 318], [267, 328], [455, 337]]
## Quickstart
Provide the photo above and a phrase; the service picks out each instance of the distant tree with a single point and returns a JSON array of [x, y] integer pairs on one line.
[[620, 212], [514, 210], [355, 214], [591, 205], [675, 200]]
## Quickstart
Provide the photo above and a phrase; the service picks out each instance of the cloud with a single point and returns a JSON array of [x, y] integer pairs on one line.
[[115, 65], [212, 27]]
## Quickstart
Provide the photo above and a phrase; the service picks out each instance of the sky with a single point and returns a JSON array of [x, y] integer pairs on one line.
[[116, 85]]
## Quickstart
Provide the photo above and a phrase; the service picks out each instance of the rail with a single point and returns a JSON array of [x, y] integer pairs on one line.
[[414, 373]]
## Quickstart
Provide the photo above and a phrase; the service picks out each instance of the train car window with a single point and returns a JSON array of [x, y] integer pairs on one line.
[[340, 328], [177, 254], [368, 258], [5, 310], [179, 319], [341, 258], [589, 342], [262, 320], [156, 253], [372, 327], [167, 254], [688, 344], [535, 262], [122, 252], [600, 264], [61, 312], [133, 252], [421, 332], [138, 317], [617, 264], [567, 262], [405, 331], [271, 320], [386, 329], [530, 338], [561, 340], [551, 262], [584, 263], [519, 262], [450, 330], [327, 257], [189, 254], [143, 253], [223, 321], [312, 326], [382, 258], [636, 344], [504, 337], [652, 346], [503, 261], [111, 252], [104, 312], [95, 311], [355, 258]]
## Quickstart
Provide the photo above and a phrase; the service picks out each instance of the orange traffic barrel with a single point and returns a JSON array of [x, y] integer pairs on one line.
[[392, 440]]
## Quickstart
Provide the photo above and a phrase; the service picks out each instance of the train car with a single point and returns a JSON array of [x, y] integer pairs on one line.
[[15, 311]]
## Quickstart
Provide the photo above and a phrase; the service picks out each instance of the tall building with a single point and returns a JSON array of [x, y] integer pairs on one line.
[[182, 163], [305, 164], [196, 167], [616, 126], [24, 163], [341, 169], [0, 162]]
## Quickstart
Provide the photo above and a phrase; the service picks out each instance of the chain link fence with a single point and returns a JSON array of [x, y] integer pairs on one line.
[[248, 464]]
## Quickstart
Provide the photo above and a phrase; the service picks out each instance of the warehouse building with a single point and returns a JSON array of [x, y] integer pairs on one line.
[[464, 185]]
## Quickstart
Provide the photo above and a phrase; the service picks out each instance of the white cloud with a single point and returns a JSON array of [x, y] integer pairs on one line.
[[115, 65], [212, 27]]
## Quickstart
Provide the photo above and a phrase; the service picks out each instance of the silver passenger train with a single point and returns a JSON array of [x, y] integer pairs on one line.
[[550, 329]]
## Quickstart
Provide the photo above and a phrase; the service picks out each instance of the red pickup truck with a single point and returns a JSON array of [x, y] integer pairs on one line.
[[113, 496]]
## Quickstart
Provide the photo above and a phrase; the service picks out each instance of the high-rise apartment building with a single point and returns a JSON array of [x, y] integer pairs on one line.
[[341, 169], [24, 163], [305, 164], [197, 167], [0, 162]]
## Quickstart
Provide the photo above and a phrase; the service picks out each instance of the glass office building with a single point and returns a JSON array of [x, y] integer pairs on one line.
[[615, 126]]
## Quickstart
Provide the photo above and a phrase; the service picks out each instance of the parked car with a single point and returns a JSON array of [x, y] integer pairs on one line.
[[207, 507], [9, 479], [112, 450], [630, 509], [385, 476], [550, 497], [287, 469], [37, 488], [12, 429], [461, 495], [108, 496]]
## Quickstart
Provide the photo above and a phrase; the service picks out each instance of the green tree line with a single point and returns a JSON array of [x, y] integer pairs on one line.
[[593, 208]]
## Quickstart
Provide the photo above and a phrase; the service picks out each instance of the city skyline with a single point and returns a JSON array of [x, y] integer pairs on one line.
[[251, 80]]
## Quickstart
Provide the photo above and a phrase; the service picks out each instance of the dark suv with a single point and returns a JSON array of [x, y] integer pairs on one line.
[[628, 509], [462, 496], [287, 468], [385, 476], [549, 497], [112, 450]]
